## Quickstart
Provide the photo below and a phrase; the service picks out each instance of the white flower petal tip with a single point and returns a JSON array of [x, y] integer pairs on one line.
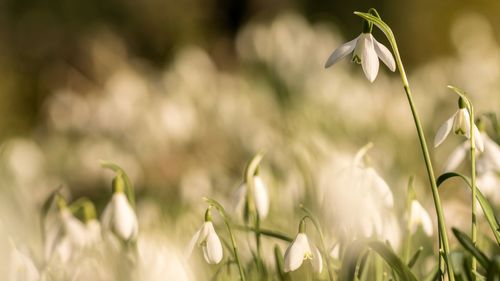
[[261, 198], [366, 51], [443, 131], [209, 241], [419, 216], [460, 123], [302, 249], [369, 59], [119, 217], [385, 55], [341, 52]]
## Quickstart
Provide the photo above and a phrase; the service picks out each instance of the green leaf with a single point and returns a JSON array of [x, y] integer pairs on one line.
[[485, 205], [120, 173], [415, 257], [278, 258], [357, 248], [466, 242]]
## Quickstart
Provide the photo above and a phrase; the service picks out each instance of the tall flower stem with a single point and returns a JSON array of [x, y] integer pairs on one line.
[[474, 191], [472, 133], [222, 212], [421, 136], [322, 239]]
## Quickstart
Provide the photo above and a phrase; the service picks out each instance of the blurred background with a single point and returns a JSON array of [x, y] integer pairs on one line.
[[182, 94]]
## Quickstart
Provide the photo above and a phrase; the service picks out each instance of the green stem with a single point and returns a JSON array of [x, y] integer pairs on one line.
[[222, 212], [265, 232], [322, 240], [474, 188], [421, 136]]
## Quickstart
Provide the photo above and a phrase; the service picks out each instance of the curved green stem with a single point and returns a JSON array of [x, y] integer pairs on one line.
[[321, 237], [222, 212], [265, 232], [421, 136], [472, 140]]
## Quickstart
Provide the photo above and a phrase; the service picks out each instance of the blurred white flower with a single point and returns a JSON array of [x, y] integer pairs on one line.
[[335, 251], [207, 239], [488, 160], [488, 183], [160, 260], [357, 199], [21, 267], [460, 122], [119, 217], [302, 249], [366, 51], [419, 217], [260, 196]]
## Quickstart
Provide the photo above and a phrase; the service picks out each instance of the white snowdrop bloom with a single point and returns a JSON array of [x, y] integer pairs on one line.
[[21, 267], [260, 195], [366, 51], [357, 198], [335, 251], [489, 183], [488, 160], [460, 123], [119, 217], [302, 249], [160, 260], [207, 239], [419, 217]]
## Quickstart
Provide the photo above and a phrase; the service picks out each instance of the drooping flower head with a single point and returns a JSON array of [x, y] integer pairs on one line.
[[260, 197], [460, 123], [119, 217], [366, 51], [300, 250], [208, 240], [419, 217]]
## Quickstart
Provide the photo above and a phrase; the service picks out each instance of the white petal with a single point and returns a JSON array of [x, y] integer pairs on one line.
[[335, 251], [294, 255], [317, 260], [461, 122], [261, 197], [124, 221], [491, 152], [212, 251], [369, 59], [419, 216], [443, 131], [204, 231], [385, 55], [456, 157], [478, 139], [341, 52], [106, 216], [381, 187], [192, 243]]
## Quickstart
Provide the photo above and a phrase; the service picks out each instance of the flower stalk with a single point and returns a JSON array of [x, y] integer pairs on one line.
[[421, 136], [222, 212], [473, 145]]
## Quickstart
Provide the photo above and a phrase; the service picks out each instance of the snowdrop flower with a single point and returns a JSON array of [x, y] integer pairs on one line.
[[302, 249], [460, 123], [488, 183], [21, 267], [366, 51], [364, 207], [260, 195], [119, 217], [207, 239], [419, 216], [488, 160]]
